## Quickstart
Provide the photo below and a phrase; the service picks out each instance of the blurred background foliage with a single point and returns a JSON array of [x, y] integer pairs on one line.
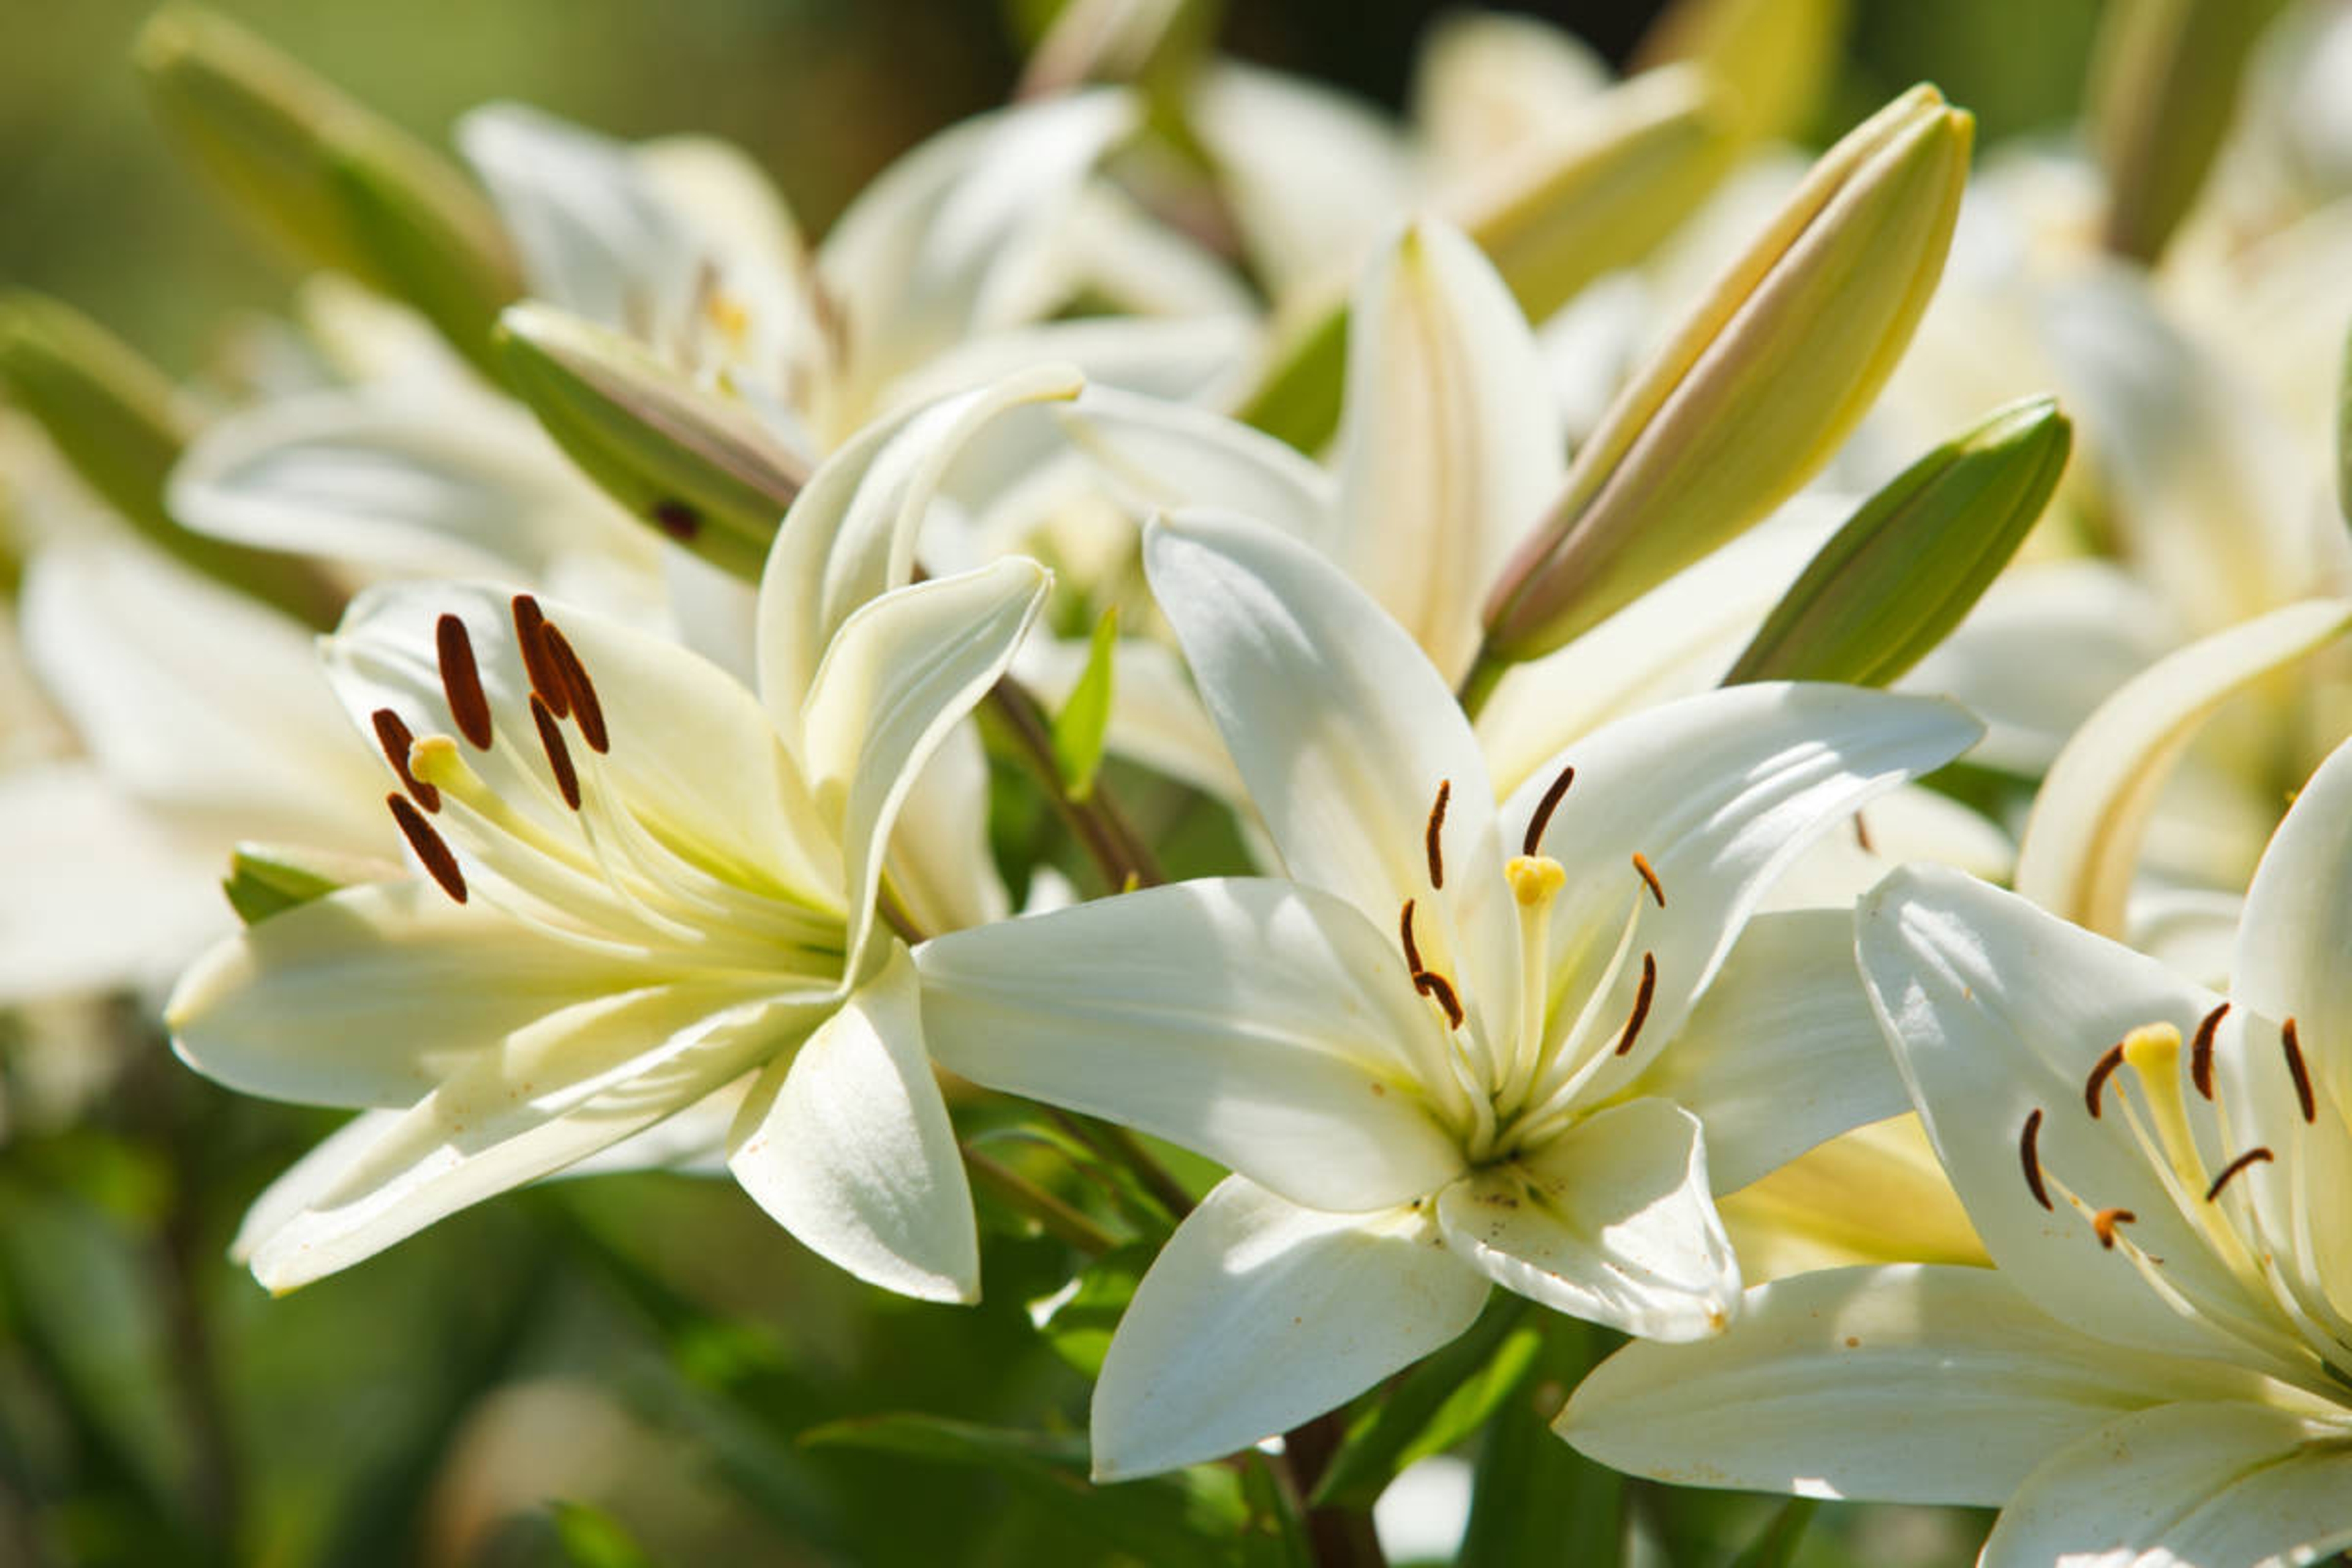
[[625, 1370]]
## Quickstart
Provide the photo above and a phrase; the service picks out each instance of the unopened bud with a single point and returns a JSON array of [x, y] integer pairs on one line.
[[118, 422], [699, 467], [1906, 567], [1759, 386], [334, 182]]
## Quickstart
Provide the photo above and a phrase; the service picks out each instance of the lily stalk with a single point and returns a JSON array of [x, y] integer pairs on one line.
[[1756, 390]]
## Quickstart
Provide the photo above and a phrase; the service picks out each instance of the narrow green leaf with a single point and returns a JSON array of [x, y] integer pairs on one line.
[[1080, 727], [1777, 1546], [1910, 564], [118, 421], [699, 468], [1079, 1328], [1535, 1499], [590, 1537], [1165, 1519], [1442, 1399]]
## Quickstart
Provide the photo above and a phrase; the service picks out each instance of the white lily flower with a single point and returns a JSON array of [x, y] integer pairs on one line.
[[652, 888], [2160, 1370], [1439, 1058]]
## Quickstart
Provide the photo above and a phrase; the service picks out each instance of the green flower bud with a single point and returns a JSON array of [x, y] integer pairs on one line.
[[1904, 569], [696, 466], [118, 421], [333, 182], [1759, 386]]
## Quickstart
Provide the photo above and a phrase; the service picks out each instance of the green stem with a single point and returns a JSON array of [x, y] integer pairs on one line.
[[1486, 673], [1057, 1218], [1339, 1537]]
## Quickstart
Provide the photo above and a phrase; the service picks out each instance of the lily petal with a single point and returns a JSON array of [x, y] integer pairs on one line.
[[1451, 449], [900, 674], [1611, 1222], [577, 1082], [1258, 1314], [1163, 455], [1344, 752], [2185, 1483], [1782, 1052], [1913, 1383], [1267, 1025], [2082, 843], [846, 1144], [2298, 924], [1997, 1009]]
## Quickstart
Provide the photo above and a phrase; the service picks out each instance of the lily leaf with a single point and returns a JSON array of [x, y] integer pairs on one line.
[[592, 1538], [1080, 1325], [1777, 1546], [1436, 1405], [1535, 1499], [1085, 719]]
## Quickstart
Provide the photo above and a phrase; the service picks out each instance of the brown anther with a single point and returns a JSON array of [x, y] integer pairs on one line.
[[586, 710], [1429, 836], [2105, 1222], [2029, 1150], [1642, 999], [395, 738], [677, 519], [2253, 1156], [2303, 1098], [558, 759], [2200, 1051], [461, 681], [2105, 1071], [429, 845], [530, 636], [1429, 983], [1411, 948], [1861, 835], [1657, 889], [1533, 841]]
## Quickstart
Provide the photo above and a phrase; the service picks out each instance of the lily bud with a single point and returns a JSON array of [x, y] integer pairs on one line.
[[1551, 221], [118, 421], [699, 467], [1758, 387], [2164, 88], [1901, 573], [1772, 58], [332, 181]]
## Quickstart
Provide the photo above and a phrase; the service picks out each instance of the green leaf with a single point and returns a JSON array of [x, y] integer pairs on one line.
[[592, 1538], [118, 421], [1777, 1546], [1297, 399], [1446, 1398], [1085, 720], [1181, 1522], [697, 468], [1080, 1325], [266, 879], [1535, 1499], [1906, 567]]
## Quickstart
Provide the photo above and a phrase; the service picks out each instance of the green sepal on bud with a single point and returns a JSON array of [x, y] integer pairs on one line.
[[120, 424], [1904, 569], [697, 466], [1756, 390], [333, 182], [1551, 221], [266, 879], [2163, 91]]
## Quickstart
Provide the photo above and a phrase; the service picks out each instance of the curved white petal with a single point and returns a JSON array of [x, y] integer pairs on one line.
[[2297, 925], [1913, 823], [1451, 449], [1265, 1025], [2192, 930], [577, 1082], [1487, 84], [1345, 733], [1995, 1010], [1258, 1314], [1911, 1383], [1610, 1221], [941, 865], [2187, 1484], [399, 483], [1717, 793], [1180, 361], [850, 536], [1783, 1051], [2081, 845], [197, 701], [372, 995], [1162, 455], [901, 673], [846, 1144], [1876, 1195]]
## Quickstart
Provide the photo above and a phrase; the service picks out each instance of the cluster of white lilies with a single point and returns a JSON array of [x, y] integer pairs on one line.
[[680, 598]]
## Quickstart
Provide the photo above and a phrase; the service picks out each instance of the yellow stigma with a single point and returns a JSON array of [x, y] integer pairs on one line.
[[437, 761], [1535, 880], [2153, 1048], [728, 314]]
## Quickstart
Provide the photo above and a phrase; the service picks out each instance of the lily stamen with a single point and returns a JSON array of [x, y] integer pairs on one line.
[[2200, 1056], [2104, 1070], [530, 641], [2105, 1222], [587, 711], [1430, 834], [1431, 984], [1412, 949], [2253, 1156], [1641, 998], [1657, 889], [394, 736], [2029, 1152], [559, 757], [461, 681], [1533, 839], [431, 849], [2305, 1099]]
